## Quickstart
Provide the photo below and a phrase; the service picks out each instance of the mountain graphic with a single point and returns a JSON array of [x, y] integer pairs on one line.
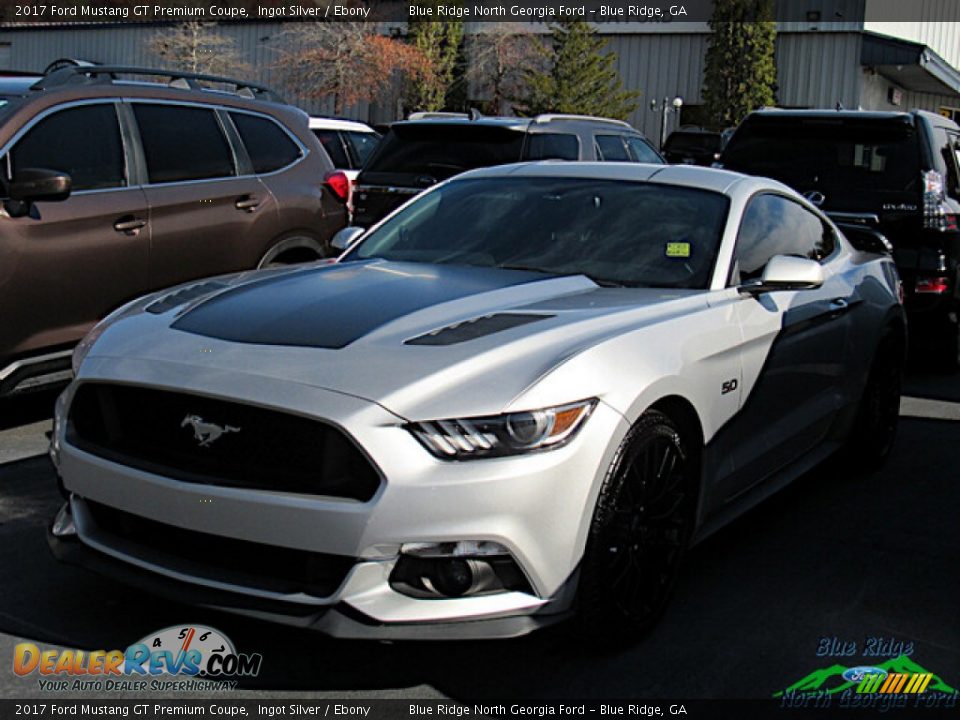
[[830, 680]]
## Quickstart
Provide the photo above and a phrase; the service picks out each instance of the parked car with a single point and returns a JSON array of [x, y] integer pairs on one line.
[[349, 144], [111, 189], [431, 147], [895, 172], [693, 146], [528, 392]]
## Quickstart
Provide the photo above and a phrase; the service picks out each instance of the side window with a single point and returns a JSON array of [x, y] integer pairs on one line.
[[773, 225], [361, 145], [182, 143], [611, 148], [269, 147], [83, 141], [330, 139], [640, 151], [552, 146]]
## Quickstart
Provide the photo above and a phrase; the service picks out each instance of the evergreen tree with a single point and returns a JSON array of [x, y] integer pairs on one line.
[[440, 41], [741, 72], [579, 77]]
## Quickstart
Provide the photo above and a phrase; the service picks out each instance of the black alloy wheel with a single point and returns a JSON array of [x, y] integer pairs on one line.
[[639, 533]]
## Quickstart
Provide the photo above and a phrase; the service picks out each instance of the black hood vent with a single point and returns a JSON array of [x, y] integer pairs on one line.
[[476, 328]]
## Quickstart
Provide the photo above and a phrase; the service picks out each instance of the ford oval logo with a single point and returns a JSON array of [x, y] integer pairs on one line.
[[856, 674]]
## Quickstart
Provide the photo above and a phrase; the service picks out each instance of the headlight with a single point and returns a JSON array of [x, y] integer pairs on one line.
[[498, 435]]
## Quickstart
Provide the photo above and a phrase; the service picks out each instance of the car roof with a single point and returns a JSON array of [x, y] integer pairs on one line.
[[534, 124], [688, 175], [775, 113], [325, 123]]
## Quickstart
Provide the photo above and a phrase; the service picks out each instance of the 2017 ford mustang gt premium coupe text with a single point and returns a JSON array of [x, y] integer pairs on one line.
[[517, 399]]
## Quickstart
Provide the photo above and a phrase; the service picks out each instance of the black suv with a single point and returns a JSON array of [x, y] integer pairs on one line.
[[429, 148], [896, 172]]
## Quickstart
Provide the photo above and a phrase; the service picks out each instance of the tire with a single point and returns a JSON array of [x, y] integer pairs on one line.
[[638, 536], [875, 424]]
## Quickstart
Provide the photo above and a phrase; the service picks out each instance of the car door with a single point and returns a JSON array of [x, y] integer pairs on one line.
[[64, 265], [795, 344], [206, 216]]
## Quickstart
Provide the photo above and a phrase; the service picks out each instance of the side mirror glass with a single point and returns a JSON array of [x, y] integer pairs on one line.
[[786, 272], [346, 237], [33, 184]]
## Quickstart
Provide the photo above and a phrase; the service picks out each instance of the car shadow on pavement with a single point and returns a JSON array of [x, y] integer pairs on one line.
[[26, 409], [830, 556]]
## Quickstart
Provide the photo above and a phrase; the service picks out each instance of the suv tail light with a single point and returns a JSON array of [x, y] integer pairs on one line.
[[936, 215], [339, 185], [932, 286]]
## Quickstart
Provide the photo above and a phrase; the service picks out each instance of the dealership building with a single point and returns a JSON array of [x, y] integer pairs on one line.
[[851, 54]]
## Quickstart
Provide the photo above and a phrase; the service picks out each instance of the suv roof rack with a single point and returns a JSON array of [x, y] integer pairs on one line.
[[549, 117], [91, 74]]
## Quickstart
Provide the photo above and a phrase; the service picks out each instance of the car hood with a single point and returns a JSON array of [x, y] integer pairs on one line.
[[421, 340]]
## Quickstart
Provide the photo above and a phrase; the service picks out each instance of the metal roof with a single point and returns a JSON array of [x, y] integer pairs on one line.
[[909, 64]]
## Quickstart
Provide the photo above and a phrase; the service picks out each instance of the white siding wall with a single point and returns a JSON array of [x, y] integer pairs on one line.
[[935, 23]]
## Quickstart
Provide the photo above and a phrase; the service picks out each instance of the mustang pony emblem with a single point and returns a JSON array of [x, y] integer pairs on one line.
[[206, 433]]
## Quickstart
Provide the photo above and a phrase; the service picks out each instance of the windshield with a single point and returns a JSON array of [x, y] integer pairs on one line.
[[849, 162], [613, 231]]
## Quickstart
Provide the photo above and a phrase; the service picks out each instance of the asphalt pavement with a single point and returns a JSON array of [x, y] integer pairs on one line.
[[873, 561]]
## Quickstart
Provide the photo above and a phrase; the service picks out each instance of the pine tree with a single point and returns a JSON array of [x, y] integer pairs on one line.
[[579, 77], [741, 71], [440, 41]]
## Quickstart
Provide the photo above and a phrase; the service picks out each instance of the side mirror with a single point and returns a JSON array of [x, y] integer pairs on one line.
[[786, 272], [867, 239], [32, 184], [346, 237]]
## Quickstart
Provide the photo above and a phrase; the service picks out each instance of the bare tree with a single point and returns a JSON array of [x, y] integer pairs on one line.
[[500, 57], [348, 61], [198, 47]]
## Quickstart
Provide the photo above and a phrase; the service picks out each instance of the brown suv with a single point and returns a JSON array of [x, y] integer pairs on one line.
[[112, 188]]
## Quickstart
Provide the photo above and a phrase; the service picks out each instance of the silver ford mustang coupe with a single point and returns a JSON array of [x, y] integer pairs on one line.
[[518, 399]]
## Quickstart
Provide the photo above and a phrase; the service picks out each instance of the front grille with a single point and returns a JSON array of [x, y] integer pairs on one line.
[[213, 557], [215, 442]]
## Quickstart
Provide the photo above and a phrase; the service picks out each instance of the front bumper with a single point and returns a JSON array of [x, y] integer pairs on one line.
[[537, 506]]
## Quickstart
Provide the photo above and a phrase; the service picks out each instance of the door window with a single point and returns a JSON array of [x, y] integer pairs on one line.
[[361, 145], [268, 145], [611, 148], [773, 225], [83, 141], [641, 151], [182, 143]]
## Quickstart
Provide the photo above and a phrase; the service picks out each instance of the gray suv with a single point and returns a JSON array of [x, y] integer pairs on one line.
[[431, 147], [113, 187]]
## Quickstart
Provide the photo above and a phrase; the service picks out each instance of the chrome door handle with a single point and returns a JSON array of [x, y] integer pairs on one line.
[[129, 225], [248, 203]]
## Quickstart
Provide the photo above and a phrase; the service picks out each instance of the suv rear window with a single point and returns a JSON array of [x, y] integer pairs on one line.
[[422, 154], [849, 161], [362, 144], [268, 146], [182, 143], [552, 146], [330, 139]]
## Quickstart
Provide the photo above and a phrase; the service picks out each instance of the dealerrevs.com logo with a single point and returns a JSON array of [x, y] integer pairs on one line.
[[182, 657]]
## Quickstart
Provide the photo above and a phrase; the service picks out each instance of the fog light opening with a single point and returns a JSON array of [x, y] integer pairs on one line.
[[449, 575]]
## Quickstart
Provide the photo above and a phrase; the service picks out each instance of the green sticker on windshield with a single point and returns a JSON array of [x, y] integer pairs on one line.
[[678, 249]]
